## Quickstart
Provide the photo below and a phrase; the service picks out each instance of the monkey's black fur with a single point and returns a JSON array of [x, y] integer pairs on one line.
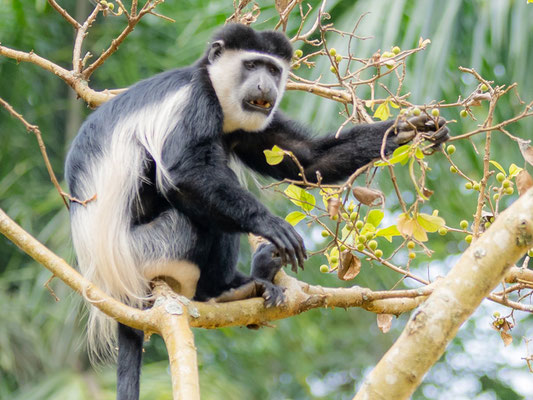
[[203, 199]]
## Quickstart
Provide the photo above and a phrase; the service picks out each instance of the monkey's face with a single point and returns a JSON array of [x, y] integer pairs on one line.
[[249, 86]]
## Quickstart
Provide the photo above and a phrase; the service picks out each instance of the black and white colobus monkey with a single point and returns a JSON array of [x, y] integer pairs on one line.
[[157, 157]]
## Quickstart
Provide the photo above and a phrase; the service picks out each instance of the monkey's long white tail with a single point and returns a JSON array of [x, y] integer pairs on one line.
[[104, 247]]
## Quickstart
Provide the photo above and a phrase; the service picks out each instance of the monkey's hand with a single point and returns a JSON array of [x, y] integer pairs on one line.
[[283, 236], [432, 129]]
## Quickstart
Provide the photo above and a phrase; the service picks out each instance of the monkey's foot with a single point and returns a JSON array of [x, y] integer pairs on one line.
[[256, 287]]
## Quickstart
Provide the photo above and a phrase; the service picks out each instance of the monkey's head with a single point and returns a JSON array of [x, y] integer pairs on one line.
[[248, 70]]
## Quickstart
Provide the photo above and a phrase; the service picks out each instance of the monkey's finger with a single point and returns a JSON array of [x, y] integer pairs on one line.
[[281, 249]]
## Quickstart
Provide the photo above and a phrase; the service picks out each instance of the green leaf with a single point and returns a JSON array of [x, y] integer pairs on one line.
[[388, 233], [431, 223], [514, 170], [300, 197], [374, 217], [274, 156], [497, 165], [401, 154], [294, 217], [419, 154], [383, 111]]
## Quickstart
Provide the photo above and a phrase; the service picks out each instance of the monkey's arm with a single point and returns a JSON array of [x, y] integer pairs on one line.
[[205, 189], [334, 158]]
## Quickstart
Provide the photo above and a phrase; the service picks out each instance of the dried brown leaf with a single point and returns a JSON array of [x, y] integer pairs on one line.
[[333, 206], [507, 338], [523, 181], [384, 322], [527, 151], [349, 267], [368, 196]]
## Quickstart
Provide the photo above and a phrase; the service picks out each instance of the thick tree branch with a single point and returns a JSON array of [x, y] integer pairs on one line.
[[481, 268]]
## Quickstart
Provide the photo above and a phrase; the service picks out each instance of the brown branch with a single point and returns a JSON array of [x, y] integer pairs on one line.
[[480, 269], [37, 132], [65, 14], [77, 63]]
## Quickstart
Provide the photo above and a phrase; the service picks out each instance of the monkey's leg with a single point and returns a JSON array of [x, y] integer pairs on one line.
[[130, 346]]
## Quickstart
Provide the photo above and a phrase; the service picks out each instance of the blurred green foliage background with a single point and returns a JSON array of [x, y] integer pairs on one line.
[[322, 354]]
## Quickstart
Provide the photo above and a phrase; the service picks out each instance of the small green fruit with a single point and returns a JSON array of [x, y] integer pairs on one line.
[[435, 112], [463, 113], [411, 245], [412, 256], [396, 50], [332, 52], [373, 244], [468, 185], [463, 224], [476, 186], [333, 69], [361, 238], [506, 183], [324, 268], [359, 225], [468, 239], [530, 253], [343, 247], [484, 88], [509, 190], [351, 207], [345, 215], [360, 247], [353, 216], [416, 111], [453, 170], [111, 6], [325, 233], [335, 217], [443, 231], [296, 66], [450, 149], [487, 225], [369, 235], [496, 314], [496, 196], [378, 253], [298, 53], [334, 259], [338, 58], [500, 177]]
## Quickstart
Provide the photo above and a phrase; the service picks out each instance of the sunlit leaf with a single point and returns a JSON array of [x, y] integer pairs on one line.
[[388, 233], [274, 156], [294, 217], [514, 170], [419, 154], [497, 165], [430, 223], [374, 217], [393, 104], [300, 197], [383, 111], [401, 154]]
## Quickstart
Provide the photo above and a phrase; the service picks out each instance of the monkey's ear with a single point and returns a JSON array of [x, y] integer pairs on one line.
[[215, 51]]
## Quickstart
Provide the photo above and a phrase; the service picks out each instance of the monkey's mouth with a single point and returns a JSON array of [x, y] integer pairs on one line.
[[261, 105]]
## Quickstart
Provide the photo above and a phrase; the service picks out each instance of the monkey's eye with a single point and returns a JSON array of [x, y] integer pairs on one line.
[[249, 65], [273, 70]]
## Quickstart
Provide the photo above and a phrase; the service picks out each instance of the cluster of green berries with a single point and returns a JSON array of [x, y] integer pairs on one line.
[[336, 57], [111, 6]]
